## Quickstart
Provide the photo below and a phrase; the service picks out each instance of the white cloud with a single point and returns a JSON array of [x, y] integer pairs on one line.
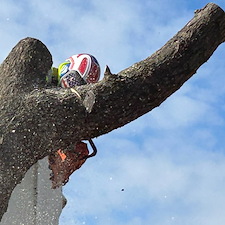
[[183, 111], [113, 31], [160, 186], [170, 162]]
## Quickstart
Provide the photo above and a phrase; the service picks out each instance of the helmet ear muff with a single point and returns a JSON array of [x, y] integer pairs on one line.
[[71, 79]]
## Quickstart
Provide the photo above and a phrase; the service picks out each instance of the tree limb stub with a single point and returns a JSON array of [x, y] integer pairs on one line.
[[36, 120]]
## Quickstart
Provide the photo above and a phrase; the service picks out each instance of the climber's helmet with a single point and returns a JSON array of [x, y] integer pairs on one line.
[[85, 64]]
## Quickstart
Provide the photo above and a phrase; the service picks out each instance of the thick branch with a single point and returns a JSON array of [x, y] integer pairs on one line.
[[22, 71], [145, 85], [138, 89], [36, 120]]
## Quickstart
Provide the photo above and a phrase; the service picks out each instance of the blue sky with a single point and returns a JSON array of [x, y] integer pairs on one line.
[[168, 166]]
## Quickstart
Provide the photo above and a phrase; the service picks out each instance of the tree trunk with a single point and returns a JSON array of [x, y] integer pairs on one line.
[[33, 202], [36, 120]]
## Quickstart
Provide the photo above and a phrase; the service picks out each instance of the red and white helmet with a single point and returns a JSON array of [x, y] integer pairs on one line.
[[86, 65]]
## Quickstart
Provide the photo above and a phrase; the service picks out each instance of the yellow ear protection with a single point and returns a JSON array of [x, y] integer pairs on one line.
[[62, 69]]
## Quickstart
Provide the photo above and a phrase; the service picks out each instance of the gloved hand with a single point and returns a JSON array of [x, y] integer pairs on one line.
[[52, 76], [71, 79]]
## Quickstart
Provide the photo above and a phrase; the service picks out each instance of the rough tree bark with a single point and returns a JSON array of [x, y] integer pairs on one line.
[[36, 120]]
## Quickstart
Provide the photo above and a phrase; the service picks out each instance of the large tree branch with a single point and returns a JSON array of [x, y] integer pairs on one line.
[[36, 120]]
